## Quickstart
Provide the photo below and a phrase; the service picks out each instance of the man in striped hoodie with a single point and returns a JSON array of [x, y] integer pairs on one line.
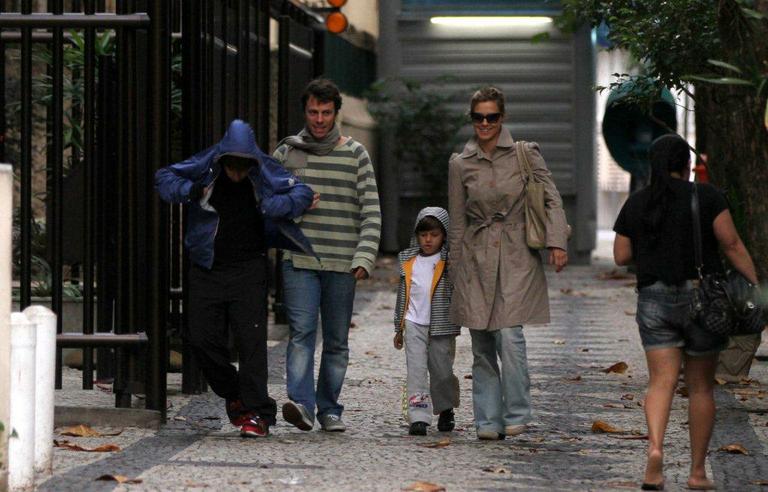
[[344, 231]]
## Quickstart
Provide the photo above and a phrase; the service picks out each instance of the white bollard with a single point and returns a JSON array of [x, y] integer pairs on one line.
[[6, 233], [45, 375], [21, 444]]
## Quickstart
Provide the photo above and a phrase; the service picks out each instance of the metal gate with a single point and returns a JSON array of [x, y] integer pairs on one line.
[[96, 101]]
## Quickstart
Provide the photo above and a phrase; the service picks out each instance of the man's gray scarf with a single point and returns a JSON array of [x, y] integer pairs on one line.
[[308, 144]]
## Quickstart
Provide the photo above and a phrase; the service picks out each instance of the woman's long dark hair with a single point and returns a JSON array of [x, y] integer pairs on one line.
[[668, 154]]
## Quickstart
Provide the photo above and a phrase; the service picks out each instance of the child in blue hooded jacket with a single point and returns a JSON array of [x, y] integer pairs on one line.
[[240, 202]]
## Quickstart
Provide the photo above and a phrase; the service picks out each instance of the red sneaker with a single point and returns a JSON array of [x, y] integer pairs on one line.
[[236, 412], [254, 426]]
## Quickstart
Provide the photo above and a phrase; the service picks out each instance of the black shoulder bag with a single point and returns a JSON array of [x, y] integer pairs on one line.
[[722, 304]]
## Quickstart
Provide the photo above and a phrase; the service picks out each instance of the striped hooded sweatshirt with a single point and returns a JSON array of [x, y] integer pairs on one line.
[[440, 319], [345, 228]]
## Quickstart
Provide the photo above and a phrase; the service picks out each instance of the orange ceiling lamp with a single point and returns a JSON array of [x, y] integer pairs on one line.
[[335, 21]]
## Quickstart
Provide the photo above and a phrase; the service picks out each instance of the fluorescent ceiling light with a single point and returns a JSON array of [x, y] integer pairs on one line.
[[495, 21]]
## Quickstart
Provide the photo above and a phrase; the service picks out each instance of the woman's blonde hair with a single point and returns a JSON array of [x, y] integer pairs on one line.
[[488, 93]]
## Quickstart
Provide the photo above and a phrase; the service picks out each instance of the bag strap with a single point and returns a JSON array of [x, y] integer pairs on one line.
[[522, 158], [697, 231]]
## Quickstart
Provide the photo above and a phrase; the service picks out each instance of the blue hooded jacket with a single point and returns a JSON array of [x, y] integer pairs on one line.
[[280, 195]]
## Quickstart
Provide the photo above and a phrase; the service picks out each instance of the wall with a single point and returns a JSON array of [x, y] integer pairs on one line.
[[549, 101]]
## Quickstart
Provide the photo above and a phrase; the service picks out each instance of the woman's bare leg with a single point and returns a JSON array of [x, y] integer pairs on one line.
[[700, 379], [663, 370]]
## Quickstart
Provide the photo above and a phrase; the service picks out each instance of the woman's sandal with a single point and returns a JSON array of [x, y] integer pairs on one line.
[[652, 486]]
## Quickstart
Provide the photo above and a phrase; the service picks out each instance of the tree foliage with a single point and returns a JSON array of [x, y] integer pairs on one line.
[[424, 125], [720, 48]]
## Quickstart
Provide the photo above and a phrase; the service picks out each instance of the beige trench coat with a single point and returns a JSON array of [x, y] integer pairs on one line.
[[498, 280]]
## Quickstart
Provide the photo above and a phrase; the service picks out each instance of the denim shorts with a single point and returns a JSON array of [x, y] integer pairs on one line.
[[663, 317]]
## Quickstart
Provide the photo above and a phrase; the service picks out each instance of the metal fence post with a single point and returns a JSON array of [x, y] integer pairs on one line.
[[6, 221]]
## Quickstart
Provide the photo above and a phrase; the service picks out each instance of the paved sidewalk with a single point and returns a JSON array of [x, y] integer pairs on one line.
[[592, 328]]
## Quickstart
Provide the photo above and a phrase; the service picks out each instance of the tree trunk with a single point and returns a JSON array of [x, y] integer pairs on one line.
[[735, 137]]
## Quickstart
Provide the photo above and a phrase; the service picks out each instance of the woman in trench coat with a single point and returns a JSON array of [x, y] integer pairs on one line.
[[499, 282]]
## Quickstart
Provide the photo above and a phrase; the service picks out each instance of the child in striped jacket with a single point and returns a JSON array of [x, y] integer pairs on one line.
[[423, 324]]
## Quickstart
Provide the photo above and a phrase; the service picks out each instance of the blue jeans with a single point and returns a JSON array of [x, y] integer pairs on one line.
[[307, 293], [500, 398]]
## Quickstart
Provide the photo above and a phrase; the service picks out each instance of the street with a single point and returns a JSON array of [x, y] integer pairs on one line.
[[592, 329]]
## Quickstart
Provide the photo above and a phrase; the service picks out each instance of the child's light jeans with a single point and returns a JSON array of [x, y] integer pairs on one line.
[[431, 386]]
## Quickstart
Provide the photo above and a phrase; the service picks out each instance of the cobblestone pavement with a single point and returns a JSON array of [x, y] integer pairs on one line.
[[592, 328]]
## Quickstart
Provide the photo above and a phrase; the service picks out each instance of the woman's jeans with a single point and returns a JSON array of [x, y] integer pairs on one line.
[[500, 397], [307, 293], [431, 385]]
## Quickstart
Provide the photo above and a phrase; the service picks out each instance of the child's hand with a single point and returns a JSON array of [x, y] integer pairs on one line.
[[398, 341]]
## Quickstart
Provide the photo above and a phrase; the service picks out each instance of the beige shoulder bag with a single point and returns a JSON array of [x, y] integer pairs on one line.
[[535, 211]]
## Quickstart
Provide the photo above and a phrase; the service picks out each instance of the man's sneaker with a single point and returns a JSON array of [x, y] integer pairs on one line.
[[515, 430], [418, 429], [332, 423], [236, 412], [254, 426], [446, 421], [297, 415], [489, 435]]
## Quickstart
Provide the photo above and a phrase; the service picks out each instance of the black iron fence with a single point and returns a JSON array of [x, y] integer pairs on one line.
[[95, 101]]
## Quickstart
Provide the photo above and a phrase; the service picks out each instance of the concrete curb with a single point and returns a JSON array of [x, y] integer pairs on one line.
[[107, 417]]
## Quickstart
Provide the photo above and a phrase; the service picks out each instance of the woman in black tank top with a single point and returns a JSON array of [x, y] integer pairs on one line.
[[654, 231]]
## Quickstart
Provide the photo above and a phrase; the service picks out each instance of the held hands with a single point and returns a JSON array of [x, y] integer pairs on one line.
[[398, 340], [559, 258], [315, 201], [360, 273]]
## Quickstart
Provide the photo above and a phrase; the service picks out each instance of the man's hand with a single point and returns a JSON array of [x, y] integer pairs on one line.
[[360, 273], [315, 201], [559, 258], [398, 341]]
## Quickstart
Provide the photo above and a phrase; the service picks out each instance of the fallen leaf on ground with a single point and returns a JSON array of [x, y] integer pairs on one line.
[[437, 444], [574, 378], [353, 325], [628, 396], [566, 291], [425, 487], [682, 391], [630, 313], [83, 430], [467, 376], [384, 306], [759, 482], [721, 381], [602, 427], [496, 469], [734, 448], [559, 342], [105, 448], [618, 368], [585, 350], [211, 417], [119, 479], [614, 275], [613, 405], [179, 417]]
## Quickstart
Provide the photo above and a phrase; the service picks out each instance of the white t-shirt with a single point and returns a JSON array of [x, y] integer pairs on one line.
[[420, 301]]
